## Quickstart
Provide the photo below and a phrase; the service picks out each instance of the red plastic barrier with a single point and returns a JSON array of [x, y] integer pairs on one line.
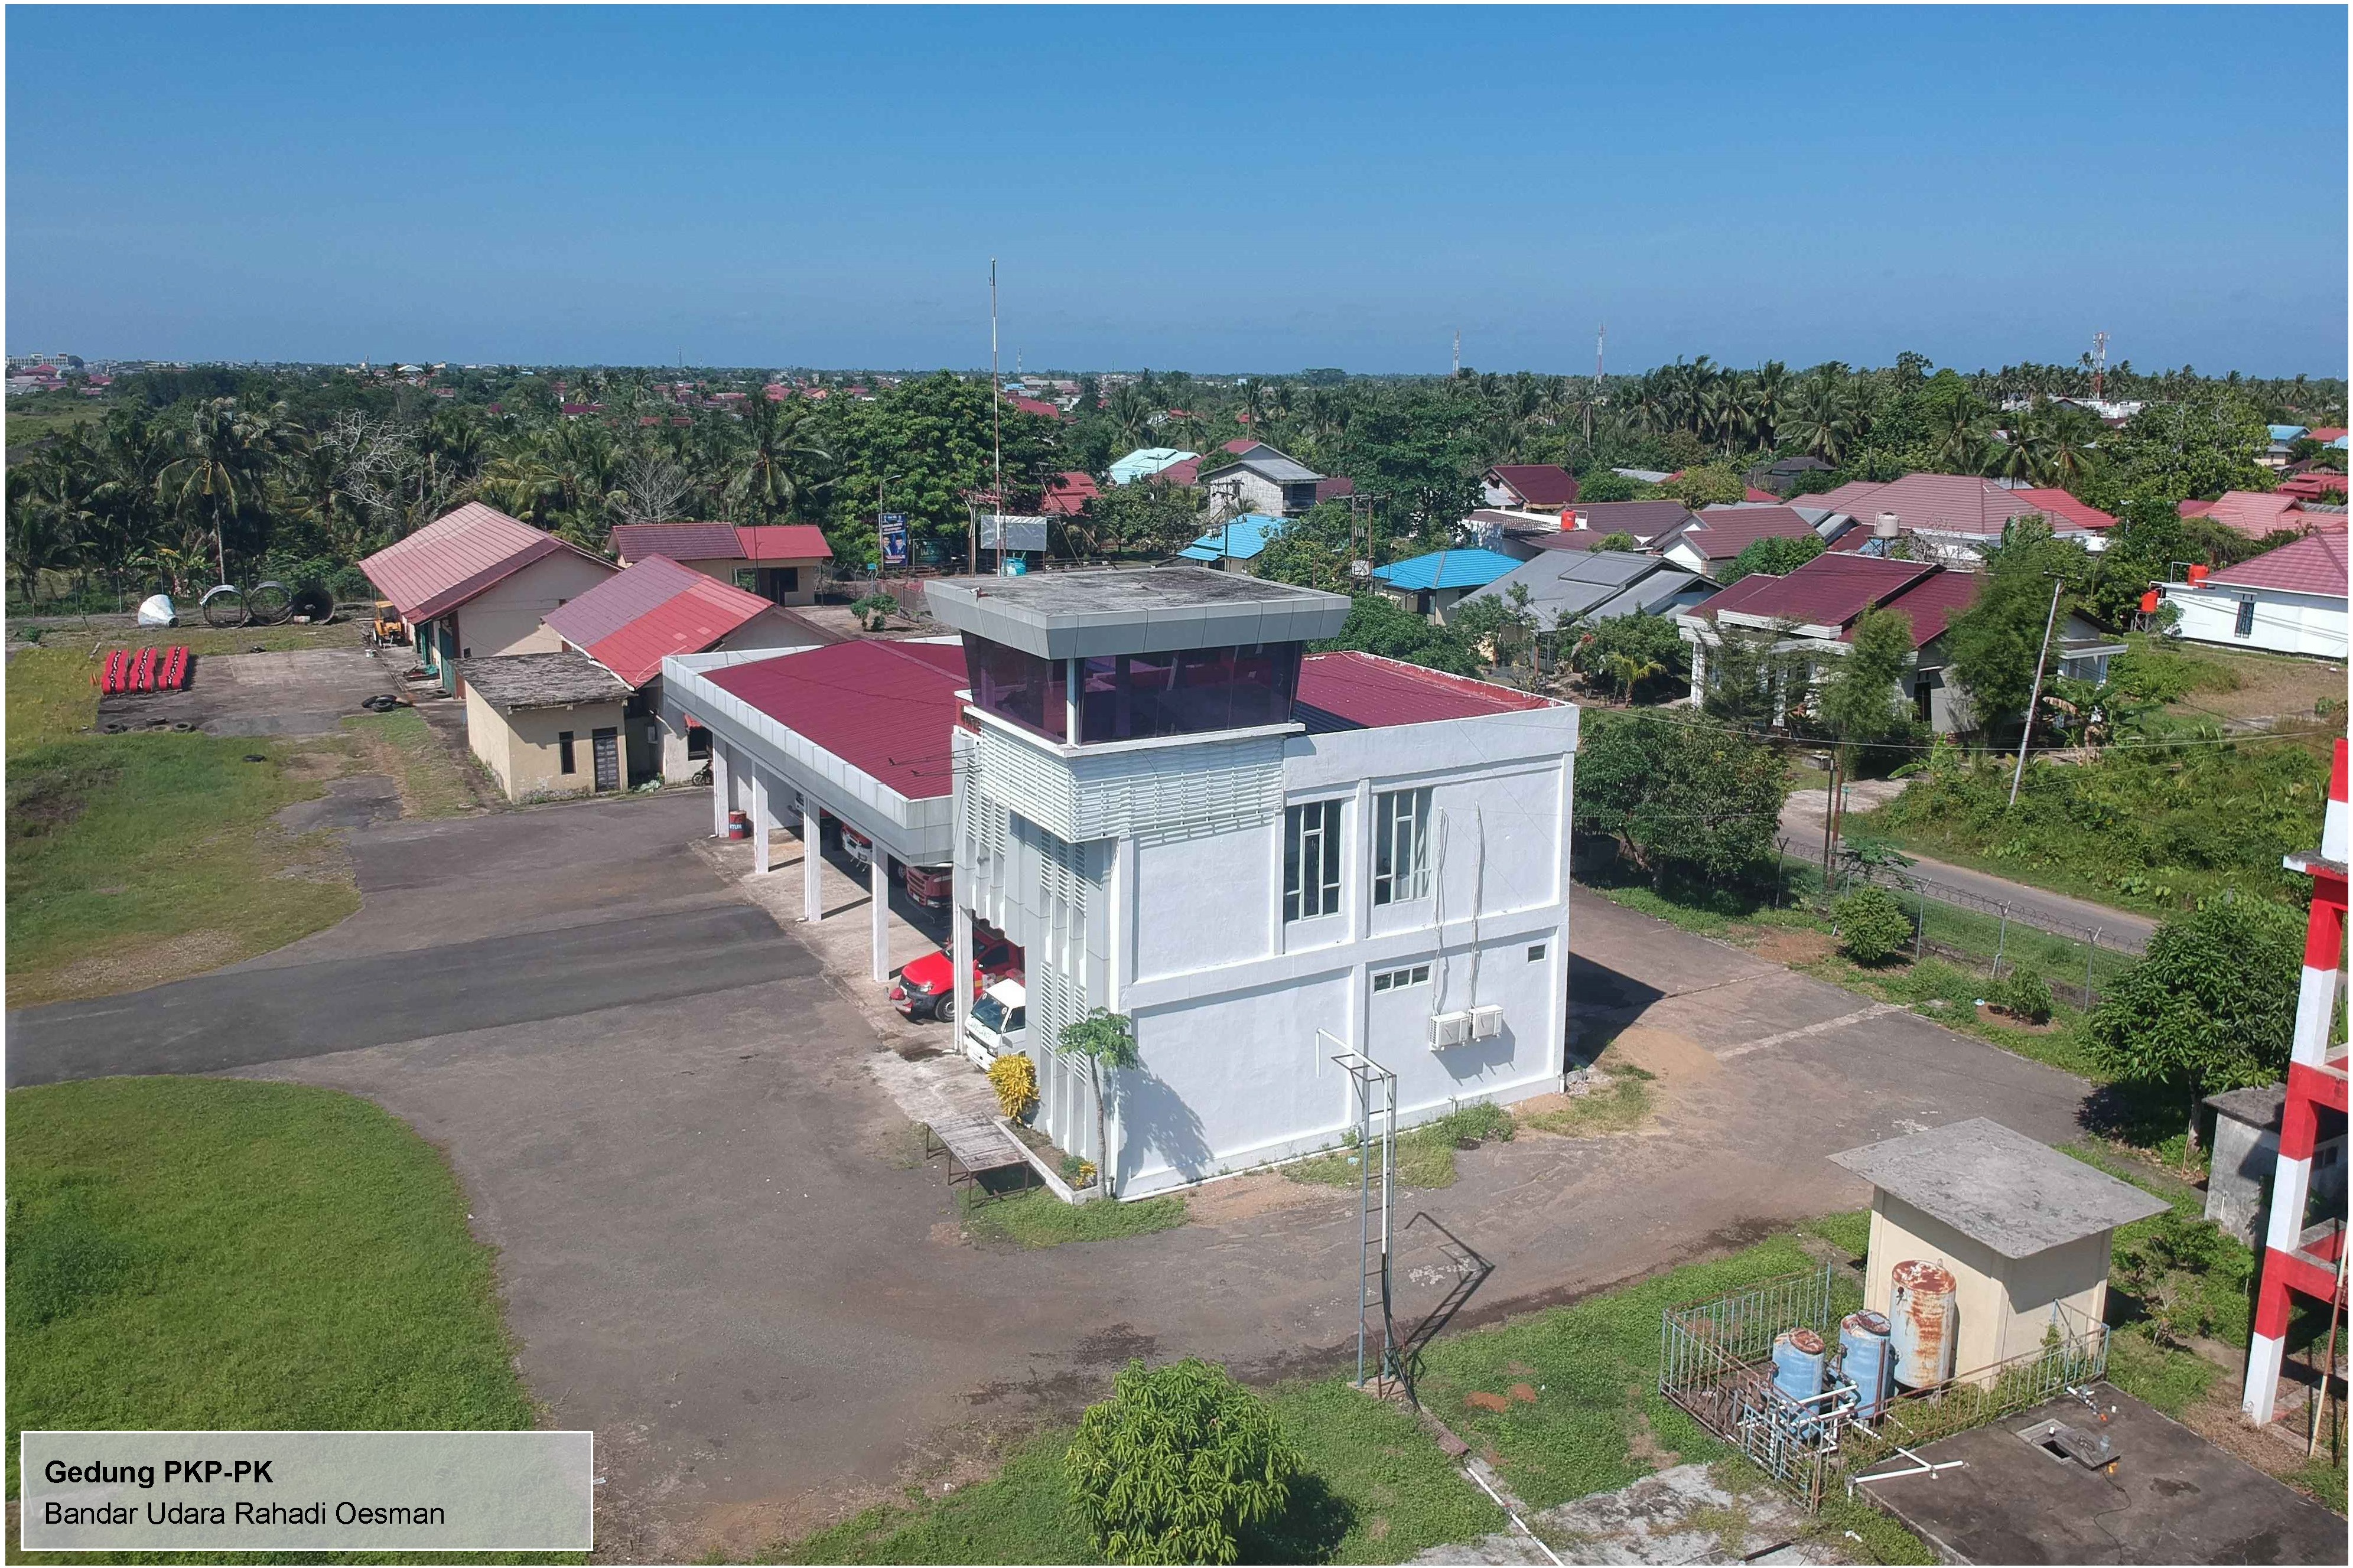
[[118, 665], [143, 671], [173, 674]]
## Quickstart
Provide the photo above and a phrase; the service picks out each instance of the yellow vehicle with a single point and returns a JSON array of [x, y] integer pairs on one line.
[[388, 628]]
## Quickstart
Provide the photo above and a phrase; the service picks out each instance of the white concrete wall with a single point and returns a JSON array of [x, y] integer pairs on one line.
[[724, 571], [505, 618], [521, 747], [2307, 624], [766, 632]]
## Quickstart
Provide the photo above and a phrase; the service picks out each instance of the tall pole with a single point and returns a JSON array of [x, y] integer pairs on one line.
[[2035, 697], [1457, 351], [995, 430]]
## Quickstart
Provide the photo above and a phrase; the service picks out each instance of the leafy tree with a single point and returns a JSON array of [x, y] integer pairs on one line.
[[1148, 517], [1179, 1464], [1774, 557], [1605, 485], [1745, 678], [1313, 551], [1106, 1041], [1628, 650], [1379, 624], [1619, 541], [2206, 440], [1689, 803], [1872, 925], [1708, 485], [2212, 1005], [1862, 700], [1995, 642]]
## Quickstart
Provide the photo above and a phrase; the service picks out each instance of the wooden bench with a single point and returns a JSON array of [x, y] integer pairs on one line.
[[974, 1148]]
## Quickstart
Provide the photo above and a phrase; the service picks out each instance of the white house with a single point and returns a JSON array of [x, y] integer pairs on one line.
[[2289, 600], [1263, 860]]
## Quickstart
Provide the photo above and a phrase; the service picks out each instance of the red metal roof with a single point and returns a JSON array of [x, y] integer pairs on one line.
[[679, 541], [1828, 591], [2325, 434], [1365, 691], [1033, 406], [1334, 487], [1721, 532], [1931, 603], [2058, 504], [1765, 498], [1242, 445], [2312, 565], [2314, 484], [784, 541], [885, 707], [1184, 473], [2258, 514], [632, 622], [455, 557], [1955, 503], [1539, 484], [1068, 494]]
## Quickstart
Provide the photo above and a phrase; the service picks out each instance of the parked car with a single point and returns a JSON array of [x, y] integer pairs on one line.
[[926, 987], [856, 845], [1000, 1017]]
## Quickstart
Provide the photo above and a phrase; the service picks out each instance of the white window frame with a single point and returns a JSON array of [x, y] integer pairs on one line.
[[1299, 900], [1400, 846], [1399, 979]]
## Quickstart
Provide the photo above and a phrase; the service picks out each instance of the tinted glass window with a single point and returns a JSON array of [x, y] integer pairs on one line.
[[1140, 696], [1016, 686]]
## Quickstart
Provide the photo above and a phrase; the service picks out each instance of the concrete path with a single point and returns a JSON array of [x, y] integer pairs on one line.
[[721, 1248], [1802, 836]]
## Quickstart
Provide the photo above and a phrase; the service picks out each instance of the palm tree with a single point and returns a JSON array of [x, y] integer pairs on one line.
[[213, 483], [784, 465]]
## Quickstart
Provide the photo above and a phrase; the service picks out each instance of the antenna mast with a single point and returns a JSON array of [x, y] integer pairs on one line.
[[2099, 366], [1600, 338], [1457, 351], [996, 424]]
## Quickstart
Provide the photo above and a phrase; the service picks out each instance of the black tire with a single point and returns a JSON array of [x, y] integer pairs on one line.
[[944, 1010]]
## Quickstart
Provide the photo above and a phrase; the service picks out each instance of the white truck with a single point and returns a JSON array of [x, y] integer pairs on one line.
[[998, 1022]]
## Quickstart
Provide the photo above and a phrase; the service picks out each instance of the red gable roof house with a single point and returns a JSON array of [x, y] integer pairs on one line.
[[2259, 514], [1033, 406], [1529, 486], [1959, 514], [2289, 600], [2312, 484], [1816, 606], [778, 562], [476, 582], [1068, 495]]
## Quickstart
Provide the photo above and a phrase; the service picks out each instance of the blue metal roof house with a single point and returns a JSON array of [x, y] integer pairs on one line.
[[1430, 584], [1232, 544]]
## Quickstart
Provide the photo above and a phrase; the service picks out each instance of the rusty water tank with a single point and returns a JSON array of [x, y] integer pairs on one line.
[[1923, 1323], [1798, 1363], [1864, 1361]]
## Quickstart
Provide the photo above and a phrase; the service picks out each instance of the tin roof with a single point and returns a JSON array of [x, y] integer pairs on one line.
[[1538, 484], [784, 541], [455, 557], [1721, 532], [2312, 565], [1829, 591], [632, 622], [1472, 568], [1352, 691], [1957, 503], [1599, 585], [679, 541], [1241, 540], [885, 707], [1146, 461], [1999, 1187]]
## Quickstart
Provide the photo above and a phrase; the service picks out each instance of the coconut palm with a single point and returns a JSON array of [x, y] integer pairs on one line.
[[784, 465], [215, 482]]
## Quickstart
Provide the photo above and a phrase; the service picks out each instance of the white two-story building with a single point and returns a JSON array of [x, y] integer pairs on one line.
[[1262, 858]]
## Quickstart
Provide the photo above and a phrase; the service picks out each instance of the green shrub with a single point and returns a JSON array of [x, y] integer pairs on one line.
[[1472, 1125], [1176, 1464], [2023, 993], [1871, 924]]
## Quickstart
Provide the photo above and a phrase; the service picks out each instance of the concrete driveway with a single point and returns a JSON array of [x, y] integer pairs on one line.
[[720, 1248]]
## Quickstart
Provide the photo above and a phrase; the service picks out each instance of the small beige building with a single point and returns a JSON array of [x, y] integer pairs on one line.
[[548, 724], [784, 563], [2024, 1230], [475, 584]]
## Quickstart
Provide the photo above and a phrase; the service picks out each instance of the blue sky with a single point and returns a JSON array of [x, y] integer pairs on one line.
[[1227, 189]]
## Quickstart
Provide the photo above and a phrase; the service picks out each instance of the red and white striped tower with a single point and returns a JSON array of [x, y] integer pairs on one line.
[[2297, 1260]]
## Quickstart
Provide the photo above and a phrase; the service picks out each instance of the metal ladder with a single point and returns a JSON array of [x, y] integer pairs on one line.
[[1375, 1225]]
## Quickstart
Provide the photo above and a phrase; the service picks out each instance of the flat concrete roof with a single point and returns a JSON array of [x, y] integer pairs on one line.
[[2261, 1108], [2173, 1496], [541, 679], [1110, 610], [1999, 1187]]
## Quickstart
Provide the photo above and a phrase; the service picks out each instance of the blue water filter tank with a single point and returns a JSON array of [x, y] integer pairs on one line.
[[1798, 1363], [1864, 1362]]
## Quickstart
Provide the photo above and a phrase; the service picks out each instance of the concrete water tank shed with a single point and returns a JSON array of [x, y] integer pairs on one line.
[[2024, 1230]]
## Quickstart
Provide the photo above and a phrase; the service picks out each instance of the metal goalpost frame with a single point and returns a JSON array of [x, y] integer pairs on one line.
[[1376, 1090]]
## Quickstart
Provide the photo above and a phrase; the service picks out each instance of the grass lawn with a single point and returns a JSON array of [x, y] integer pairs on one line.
[[203, 1253], [1376, 1490], [135, 860], [1425, 1154], [1038, 1218]]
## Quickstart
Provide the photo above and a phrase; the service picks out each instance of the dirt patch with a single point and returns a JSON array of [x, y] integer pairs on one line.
[[1663, 1054], [1793, 947], [137, 966], [1987, 1014], [1642, 1444], [315, 763], [1247, 1198]]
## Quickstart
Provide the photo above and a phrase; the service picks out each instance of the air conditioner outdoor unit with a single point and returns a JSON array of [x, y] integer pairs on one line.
[[1486, 1022], [1448, 1029]]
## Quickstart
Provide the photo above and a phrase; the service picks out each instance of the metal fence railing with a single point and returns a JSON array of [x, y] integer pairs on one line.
[[1716, 1365]]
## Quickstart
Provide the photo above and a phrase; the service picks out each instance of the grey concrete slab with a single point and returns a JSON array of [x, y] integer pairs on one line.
[[305, 691], [1999, 1187], [2170, 1497]]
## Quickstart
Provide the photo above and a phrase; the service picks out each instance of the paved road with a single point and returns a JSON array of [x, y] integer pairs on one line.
[[1801, 834], [718, 1250]]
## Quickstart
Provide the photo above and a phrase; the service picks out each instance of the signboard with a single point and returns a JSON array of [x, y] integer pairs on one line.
[[894, 539], [1001, 532]]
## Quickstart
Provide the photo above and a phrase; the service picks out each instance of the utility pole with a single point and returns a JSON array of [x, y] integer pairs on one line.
[[2035, 697]]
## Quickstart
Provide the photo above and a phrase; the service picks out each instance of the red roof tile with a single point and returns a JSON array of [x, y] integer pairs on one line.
[[1068, 494], [457, 556], [2058, 504], [1828, 591], [1538, 484], [1721, 532], [1364, 691], [784, 541], [1954, 503], [2258, 514], [2312, 565], [885, 707], [630, 622], [679, 541]]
